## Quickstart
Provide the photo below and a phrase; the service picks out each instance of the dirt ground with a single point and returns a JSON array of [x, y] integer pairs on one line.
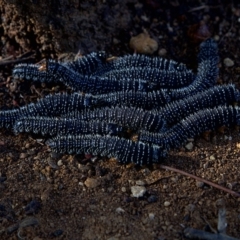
[[44, 195]]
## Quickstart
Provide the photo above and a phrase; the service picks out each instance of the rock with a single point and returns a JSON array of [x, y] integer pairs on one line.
[[52, 163], [228, 62], [92, 182], [140, 183], [152, 199], [142, 43], [212, 157], [59, 163], [138, 191], [120, 210], [166, 204], [151, 216], [189, 146], [162, 52]]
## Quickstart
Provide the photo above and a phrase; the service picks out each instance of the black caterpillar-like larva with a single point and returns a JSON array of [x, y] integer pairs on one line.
[[51, 105], [141, 61], [207, 72], [94, 84], [124, 150], [145, 100], [192, 126], [63, 126], [174, 111], [133, 118], [83, 65], [162, 78]]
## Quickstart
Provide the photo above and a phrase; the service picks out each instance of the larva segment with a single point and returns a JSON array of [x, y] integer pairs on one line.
[[95, 84], [133, 118], [192, 126], [83, 65], [64, 126], [125, 151], [140, 99], [51, 105], [219, 95], [162, 78]]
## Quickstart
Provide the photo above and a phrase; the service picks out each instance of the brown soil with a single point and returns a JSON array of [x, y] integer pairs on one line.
[[46, 195]]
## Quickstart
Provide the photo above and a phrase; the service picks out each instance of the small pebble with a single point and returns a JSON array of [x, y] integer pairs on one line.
[[123, 189], [199, 184], [189, 146], [167, 204], [142, 43], [228, 62], [212, 157], [162, 52], [92, 182], [52, 163], [138, 191], [152, 199], [120, 210], [22, 155], [59, 163], [151, 216], [140, 183]]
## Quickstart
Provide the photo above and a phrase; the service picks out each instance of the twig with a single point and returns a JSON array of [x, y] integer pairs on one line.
[[201, 180], [14, 61], [200, 234]]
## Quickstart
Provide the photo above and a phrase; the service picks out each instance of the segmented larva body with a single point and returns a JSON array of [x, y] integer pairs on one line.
[[133, 118], [83, 65], [193, 125], [145, 100], [208, 49], [55, 126], [207, 73], [51, 105], [96, 84], [125, 151], [142, 61], [162, 78], [173, 112]]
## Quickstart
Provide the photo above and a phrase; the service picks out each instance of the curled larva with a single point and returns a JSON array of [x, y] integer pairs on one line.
[[125, 151]]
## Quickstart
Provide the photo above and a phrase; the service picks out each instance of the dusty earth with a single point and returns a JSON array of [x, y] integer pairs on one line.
[[44, 195]]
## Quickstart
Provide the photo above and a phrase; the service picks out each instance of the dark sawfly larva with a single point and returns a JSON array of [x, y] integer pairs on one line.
[[192, 126], [83, 65], [51, 105], [54, 126], [124, 150], [139, 99], [94, 84], [207, 72], [133, 118], [162, 78], [174, 111]]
